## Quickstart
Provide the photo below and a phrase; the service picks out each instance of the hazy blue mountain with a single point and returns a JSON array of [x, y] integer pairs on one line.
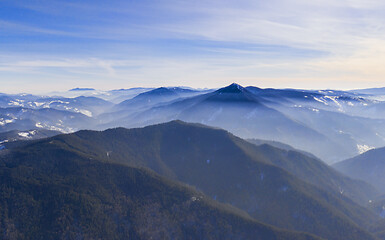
[[156, 96], [5, 100], [124, 113], [115, 96], [350, 135], [371, 91], [240, 111], [330, 100], [340, 124], [280, 145], [89, 106], [18, 118], [351, 122], [82, 89], [369, 166], [119, 95]]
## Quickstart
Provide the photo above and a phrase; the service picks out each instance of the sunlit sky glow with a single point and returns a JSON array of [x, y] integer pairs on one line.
[[48, 45]]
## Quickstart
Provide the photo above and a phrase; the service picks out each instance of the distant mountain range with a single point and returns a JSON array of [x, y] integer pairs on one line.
[[175, 180], [332, 125]]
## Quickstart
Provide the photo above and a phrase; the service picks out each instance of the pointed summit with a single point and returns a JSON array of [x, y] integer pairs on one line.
[[233, 88], [159, 91], [233, 93]]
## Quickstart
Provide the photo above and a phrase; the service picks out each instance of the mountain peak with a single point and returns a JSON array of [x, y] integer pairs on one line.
[[161, 91], [233, 93], [82, 89], [233, 88]]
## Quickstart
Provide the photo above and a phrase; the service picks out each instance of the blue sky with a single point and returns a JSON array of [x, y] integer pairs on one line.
[[48, 45]]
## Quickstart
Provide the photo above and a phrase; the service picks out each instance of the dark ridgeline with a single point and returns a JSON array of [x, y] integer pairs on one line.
[[83, 180], [50, 190]]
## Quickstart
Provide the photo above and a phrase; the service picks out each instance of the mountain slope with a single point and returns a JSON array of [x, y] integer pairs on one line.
[[315, 171], [340, 124], [49, 191], [280, 145], [369, 166], [123, 114], [214, 161], [18, 118], [349, 133], [156, 96], [234, 108], [15, 135], [238, 110]]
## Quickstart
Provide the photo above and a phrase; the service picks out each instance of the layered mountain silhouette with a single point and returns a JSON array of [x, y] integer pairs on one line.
[[156, 96], [179, 180], [340, 124], [22, 119], [240, 111], [230, 170]]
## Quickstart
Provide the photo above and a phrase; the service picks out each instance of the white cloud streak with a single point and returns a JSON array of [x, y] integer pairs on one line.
[[350, 33]]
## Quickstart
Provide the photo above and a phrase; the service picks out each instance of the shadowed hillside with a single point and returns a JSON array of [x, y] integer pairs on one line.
[[216, 163], [48, 191]]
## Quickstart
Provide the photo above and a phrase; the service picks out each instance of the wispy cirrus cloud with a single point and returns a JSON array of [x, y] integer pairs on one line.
[[291, 43]]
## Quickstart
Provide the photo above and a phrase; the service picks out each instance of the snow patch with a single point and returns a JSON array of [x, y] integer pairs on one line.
[[38, 104], [28, 134], [86, 112], [5, 121], [363, 148], [23, 134], [320, 100], [334, 99], [14, 103]]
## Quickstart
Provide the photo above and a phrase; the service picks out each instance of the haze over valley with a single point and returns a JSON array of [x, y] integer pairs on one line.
[[333, 125], [192, 120], [272, 156]]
